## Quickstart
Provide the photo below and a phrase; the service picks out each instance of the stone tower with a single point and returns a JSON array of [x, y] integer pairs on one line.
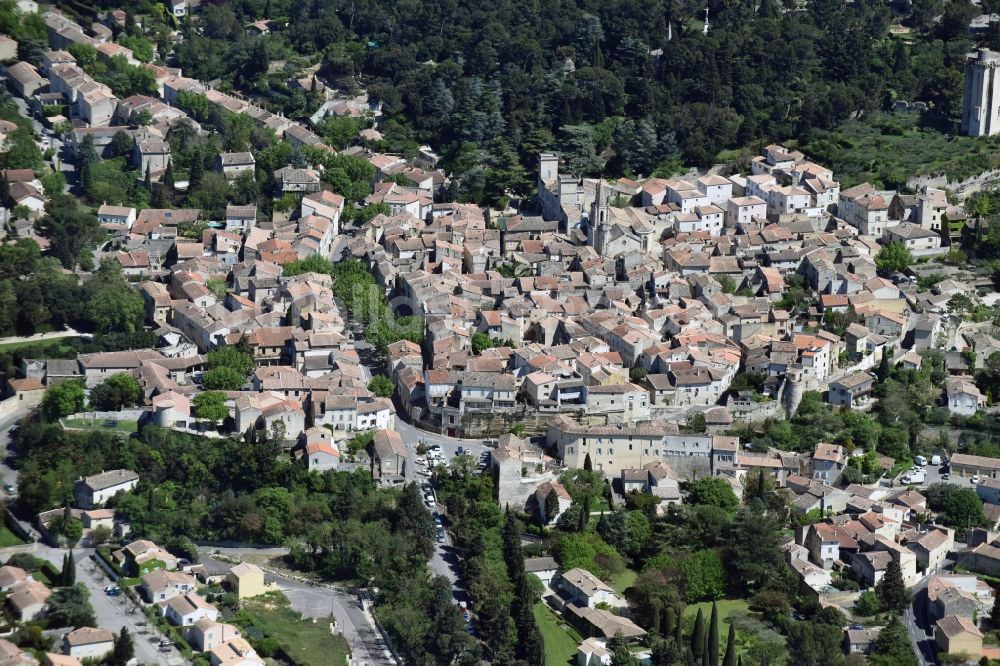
[[599, 219], [981, 100]]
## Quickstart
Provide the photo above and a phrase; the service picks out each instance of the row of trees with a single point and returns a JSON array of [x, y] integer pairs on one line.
[[487, 543]]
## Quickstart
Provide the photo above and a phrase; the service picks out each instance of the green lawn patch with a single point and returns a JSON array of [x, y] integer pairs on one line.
[[622, 581], [99, 424], [44, 577], [305, 642], [726, 606], [129, 582], [8, 538], [54, 342], [560, 639]]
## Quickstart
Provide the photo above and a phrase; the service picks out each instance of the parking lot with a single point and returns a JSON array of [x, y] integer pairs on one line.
[[937, 474]]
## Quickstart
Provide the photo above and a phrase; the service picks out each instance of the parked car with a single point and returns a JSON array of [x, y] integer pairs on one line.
[[945, 476], [974, 479], [935, 460]]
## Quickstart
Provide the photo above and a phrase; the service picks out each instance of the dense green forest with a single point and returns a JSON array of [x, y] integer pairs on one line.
[[491, 84]]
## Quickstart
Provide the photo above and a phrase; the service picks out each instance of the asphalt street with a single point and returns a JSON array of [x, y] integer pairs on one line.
[[914, 619], [113, 613]]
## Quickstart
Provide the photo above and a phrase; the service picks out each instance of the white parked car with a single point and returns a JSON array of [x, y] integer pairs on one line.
[[935, 460], [974, 479]]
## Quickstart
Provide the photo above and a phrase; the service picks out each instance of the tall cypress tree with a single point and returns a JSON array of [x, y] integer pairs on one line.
[[587, 464], [529, 647], [713, 637], [698, 636], [679, 629], [197, 170], [891, 590], [69, 570], [584, 514], [730, 659], [124, 649], [168, 177], [669, 619]]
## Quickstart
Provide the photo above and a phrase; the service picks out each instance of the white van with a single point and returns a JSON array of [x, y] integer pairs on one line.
[[935, 460], [920, 460]]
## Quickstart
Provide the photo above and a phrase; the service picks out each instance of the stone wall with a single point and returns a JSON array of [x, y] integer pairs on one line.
[[960, 190]]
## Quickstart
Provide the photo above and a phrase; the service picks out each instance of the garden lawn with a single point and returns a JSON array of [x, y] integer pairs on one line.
[[306, 643], [53, 342], [98, 424], [622, 581], [8, 538], [559, 638], [726, 606]]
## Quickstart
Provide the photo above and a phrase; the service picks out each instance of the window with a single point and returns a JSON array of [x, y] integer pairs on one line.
[[611, 452], [598, 452]]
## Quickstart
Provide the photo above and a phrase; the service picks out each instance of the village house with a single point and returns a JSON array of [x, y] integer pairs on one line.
[[151, 157], [93, 491], [88, 643], [563, 500], [185, 609], [828, 461], [291, 179], [963, 396], [954, 635], [160, 585], [849, 391], [583, 588], [231, 165], [388, 453], [246, 580], [27, 600], [205, 635]]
